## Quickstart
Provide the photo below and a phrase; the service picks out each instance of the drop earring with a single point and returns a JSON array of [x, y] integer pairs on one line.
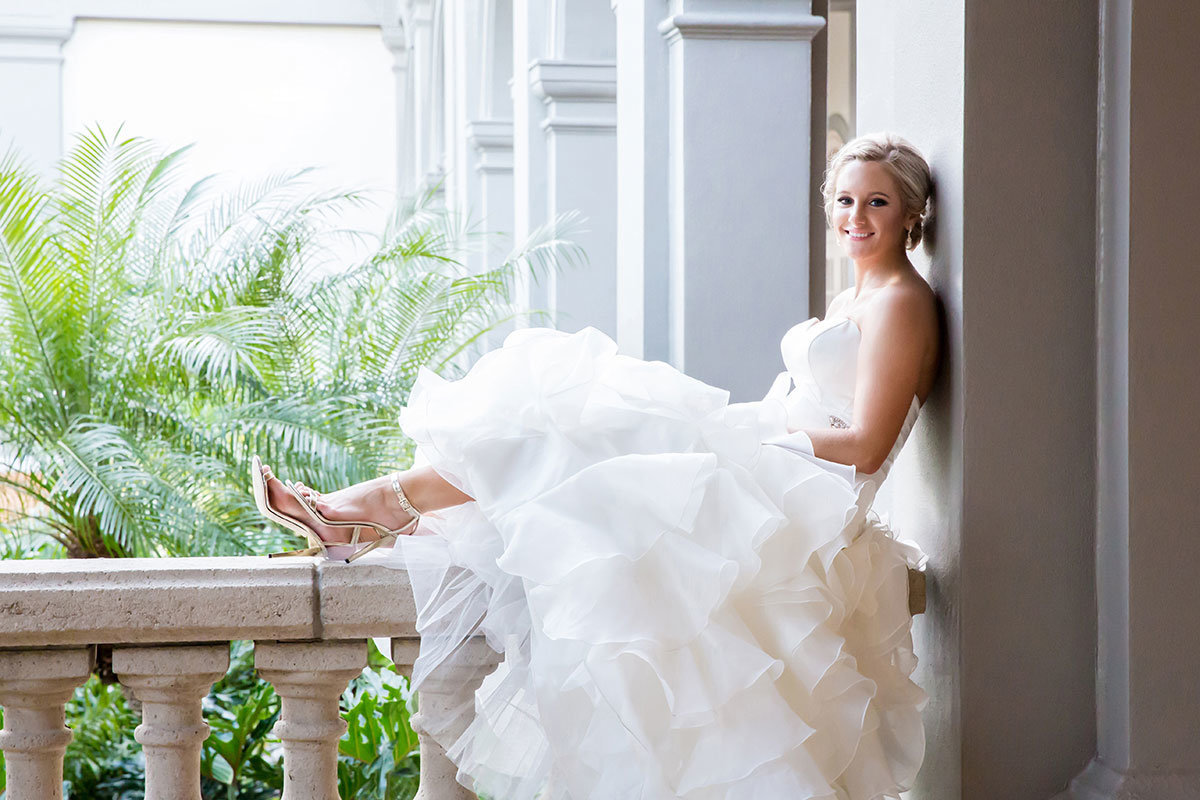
[[908, 240]]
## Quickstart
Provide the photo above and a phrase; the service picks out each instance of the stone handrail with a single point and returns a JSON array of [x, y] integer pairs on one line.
[[170, 622]]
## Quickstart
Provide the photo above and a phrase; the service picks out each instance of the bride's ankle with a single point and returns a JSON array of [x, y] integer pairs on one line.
[[399, 489]]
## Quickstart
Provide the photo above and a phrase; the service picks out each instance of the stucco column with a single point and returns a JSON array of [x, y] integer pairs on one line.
[[418, 28], [31, 65], [171, 682], [642, 169], [34, 687], [489, 134], [1148, 436], [997, 483], [397, 44], [580, 126], [530, 19], [738, 191], [492, 141], [309, 678], [445, 689]]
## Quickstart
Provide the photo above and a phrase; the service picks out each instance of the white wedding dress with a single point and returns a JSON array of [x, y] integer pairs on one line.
[[688, 602]]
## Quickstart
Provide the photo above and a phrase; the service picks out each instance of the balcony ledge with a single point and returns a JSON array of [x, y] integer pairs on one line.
[[61, 603]]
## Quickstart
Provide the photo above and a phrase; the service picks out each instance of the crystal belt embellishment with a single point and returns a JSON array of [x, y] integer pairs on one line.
[[838, 422]]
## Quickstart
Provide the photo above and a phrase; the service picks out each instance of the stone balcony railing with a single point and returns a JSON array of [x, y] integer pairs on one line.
[[170, 622]]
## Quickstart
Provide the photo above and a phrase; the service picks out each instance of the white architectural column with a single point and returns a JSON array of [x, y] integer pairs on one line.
[[171, 682], [489, 135], [397, 44], [1148, 434], [34, 687], [564, 148], [309, 678], [449, 688], [738, 196], [31, 63], [642, 169], [581, 175], [418, 28], [492, 141], [530, 21]]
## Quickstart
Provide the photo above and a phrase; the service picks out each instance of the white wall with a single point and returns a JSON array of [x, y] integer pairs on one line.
[[255, 99]]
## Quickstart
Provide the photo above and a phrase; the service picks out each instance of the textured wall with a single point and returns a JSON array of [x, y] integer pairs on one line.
[[1028, 569], [1164, 386]]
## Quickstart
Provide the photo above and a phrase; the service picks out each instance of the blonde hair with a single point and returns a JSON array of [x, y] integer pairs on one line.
[[902, 160]]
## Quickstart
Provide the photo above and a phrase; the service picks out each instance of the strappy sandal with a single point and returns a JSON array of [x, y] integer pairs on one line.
[[385, 534]]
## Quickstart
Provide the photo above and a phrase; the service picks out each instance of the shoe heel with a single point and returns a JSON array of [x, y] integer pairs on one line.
[[387, 537], [258, 485]]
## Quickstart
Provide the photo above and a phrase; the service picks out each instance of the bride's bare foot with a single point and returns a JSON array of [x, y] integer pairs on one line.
[[286, 503], [374, 500]]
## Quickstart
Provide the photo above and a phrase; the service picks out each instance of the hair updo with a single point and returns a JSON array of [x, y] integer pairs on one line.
[[905, 164]]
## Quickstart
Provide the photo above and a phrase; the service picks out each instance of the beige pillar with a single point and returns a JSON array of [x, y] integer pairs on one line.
[[170, 683], [309, 678], [444, 689], [34, 687]]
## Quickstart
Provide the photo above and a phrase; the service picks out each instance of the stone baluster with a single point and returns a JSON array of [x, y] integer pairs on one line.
[[446, 688], [34, 687], [309, 678], [170, 682]]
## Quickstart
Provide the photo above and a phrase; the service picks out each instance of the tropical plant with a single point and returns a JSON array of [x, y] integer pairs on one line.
[[239, 760], [158, 334], [102, 759], [378, 757]]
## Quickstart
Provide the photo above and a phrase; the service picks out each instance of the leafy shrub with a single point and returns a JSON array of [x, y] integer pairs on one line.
[[157, 337]]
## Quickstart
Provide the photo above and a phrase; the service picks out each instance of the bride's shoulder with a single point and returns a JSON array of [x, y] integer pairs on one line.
[[909, 302]]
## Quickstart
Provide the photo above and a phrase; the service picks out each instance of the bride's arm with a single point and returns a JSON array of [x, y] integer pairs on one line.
[[895, 337]]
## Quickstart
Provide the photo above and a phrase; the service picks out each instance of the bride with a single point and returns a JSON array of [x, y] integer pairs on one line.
[[690, 596]]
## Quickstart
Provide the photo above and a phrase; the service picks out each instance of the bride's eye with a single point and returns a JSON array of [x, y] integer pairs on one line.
[[879, 200]]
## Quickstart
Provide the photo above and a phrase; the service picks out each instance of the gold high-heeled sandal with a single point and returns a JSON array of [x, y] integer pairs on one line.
[[385, 534], [258, 482]]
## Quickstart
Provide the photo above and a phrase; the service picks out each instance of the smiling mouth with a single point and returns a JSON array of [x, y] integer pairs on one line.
[[858, 237]]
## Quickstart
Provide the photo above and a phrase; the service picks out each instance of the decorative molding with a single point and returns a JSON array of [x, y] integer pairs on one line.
[[578, 125], [740, 25], [344, 12], [38, 34], [28, 44], [1098, 781], [556, 80], [396, 41], [490, 134], [493, 140]]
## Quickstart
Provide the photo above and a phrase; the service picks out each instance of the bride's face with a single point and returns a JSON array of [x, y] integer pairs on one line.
[[867, 214]]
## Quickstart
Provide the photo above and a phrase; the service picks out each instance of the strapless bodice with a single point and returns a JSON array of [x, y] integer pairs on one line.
[[821, 356]]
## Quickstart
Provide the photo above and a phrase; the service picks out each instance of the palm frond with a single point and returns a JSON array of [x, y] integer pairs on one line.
[[219, 344], [101, 470], [30, 297]]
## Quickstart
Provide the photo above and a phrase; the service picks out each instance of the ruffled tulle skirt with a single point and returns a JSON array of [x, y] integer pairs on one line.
[[682, 611]]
